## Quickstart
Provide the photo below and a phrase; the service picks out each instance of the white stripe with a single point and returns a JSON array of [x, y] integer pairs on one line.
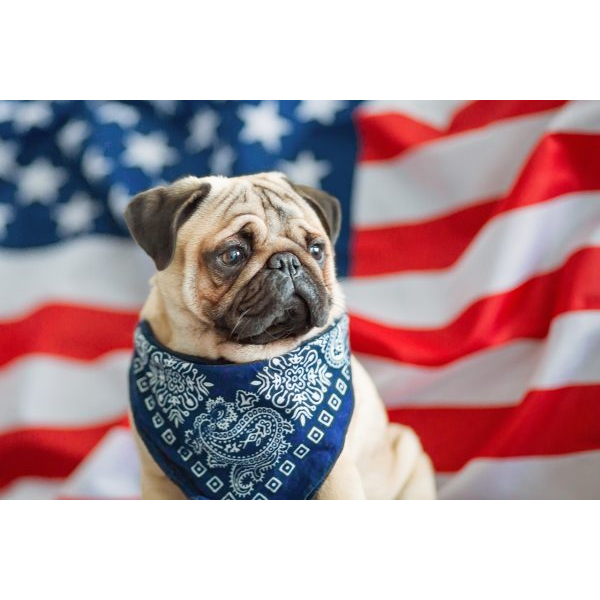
[[111, 470], [48, 391], [581, 116], [508, 251], [471, 380], [437, 113], [95, 270], [571, 476], [445, 176], [32, 488], [570, 355]]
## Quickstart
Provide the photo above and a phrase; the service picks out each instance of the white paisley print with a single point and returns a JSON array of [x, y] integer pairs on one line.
[[298, 381], [249, 441], [176, 384], [335, 344]]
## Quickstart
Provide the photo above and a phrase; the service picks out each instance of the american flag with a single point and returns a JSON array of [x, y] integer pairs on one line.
[[470, 258]]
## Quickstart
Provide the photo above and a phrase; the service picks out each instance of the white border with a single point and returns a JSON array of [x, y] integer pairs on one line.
[[299, 550], [266, 48]]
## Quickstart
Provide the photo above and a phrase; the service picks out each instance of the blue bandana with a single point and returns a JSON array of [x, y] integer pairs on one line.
[[270, 429]]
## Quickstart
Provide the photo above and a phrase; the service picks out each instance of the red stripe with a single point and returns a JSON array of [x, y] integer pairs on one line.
[[548, 173], [524, 312], [546, 423], [484, 112], [65, 330], [387, 135], [434, 244], [48, 452], [384, 136]]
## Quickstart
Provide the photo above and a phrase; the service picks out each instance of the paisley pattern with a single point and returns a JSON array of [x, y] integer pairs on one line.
[[336, 345], [251, 440], [298, 381], [177, 387], [240, 431]]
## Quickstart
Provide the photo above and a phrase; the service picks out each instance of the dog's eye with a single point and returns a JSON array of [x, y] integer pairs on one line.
[[316, 251], [233, 256]]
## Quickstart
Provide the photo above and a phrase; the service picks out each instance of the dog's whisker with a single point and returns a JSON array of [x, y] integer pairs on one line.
[[238, 322]]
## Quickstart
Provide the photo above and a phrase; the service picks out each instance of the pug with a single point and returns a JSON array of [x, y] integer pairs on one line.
[[246, 276]]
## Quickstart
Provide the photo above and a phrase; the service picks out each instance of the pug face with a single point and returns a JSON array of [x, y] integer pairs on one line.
[[250, 258]]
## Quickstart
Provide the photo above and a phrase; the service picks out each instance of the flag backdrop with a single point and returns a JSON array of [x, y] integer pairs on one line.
[[470, 257]]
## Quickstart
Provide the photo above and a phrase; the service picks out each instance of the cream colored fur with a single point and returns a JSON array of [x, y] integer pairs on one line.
[[379, 460]]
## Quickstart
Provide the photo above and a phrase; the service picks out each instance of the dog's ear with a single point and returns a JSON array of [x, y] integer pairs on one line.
[[155, 216], [327, 207]]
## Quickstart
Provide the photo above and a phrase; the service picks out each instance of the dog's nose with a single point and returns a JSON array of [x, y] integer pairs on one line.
[[285, 261]]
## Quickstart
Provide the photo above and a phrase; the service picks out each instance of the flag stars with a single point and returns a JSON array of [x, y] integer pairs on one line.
[[221, 161], [40, 182], [7, 215], [117, 112], [306, 169], [95, 165], [165, 107], [263, 124], [7, 109], [150, 152], [8, 159], [203, 130], [31, 114], [118, 198], [25, 115], [71, 136], [75, 216], [322, 111]]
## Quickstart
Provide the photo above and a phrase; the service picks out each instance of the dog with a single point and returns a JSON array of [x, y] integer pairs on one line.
[[246, 276]]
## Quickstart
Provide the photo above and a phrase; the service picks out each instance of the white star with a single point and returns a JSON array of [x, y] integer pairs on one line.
[[323, 111], [118, 199], [8, 155], [40, 182], [203, 129], [306, 169], [7, 110], [221, 161], [166, 107], [76, 215], [150, 152], [71, 136], [95, 165], [31, 114], [7, 215], [119, 113], [264, 124]]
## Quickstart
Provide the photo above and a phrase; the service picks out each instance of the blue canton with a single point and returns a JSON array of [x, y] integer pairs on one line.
[[270, 429], [68, 169]]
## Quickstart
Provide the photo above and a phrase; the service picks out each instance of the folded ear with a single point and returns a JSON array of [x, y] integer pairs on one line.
[[327, 207], [155, 216]]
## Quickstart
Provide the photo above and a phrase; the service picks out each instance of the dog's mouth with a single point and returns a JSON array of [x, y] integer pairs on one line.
[[275, 306], [295, 321]]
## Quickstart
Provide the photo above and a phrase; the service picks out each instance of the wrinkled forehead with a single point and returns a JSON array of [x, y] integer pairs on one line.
[[220, 186], [267, 197]]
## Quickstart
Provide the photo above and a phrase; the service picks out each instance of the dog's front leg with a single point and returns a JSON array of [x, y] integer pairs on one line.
[[343, 482]]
